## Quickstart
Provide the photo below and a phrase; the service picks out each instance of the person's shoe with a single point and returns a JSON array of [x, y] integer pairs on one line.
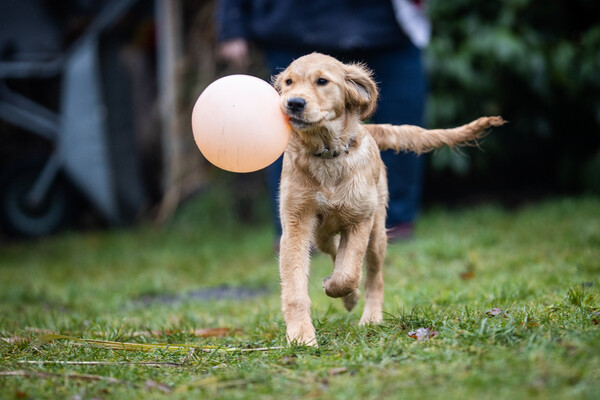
[[401, 232]]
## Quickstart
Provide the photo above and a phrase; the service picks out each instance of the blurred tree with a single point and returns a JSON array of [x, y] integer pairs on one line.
[[537, 64]]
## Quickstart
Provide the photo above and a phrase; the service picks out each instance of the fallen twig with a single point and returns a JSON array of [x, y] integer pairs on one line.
[[145, 364], [105, 344]]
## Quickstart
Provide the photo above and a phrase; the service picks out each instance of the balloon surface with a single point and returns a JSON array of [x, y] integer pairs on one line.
[[238, 124]]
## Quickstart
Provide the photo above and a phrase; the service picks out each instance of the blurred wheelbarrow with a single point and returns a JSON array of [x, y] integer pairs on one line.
[[34, 199]]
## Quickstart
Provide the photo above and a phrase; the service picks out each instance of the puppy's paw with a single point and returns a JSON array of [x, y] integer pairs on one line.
[[370, 318], [302, 334], [334, 287], [351, 299]]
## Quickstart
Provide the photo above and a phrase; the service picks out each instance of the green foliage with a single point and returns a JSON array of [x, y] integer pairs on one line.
[[537, 265], [534, 62]]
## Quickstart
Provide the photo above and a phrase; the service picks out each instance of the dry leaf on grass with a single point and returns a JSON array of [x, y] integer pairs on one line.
[[423, 334], [467, 275], [494, 311]]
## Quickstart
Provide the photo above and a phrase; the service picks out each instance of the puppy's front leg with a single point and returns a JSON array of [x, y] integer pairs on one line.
[[347, 272], [294, 269]]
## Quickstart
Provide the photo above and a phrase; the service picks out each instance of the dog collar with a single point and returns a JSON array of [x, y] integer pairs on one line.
[[327, 154]]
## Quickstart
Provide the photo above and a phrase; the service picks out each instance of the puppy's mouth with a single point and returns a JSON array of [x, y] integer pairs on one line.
[[300, 123]]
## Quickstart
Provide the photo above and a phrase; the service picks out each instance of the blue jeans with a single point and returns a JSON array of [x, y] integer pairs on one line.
[[401, 79]]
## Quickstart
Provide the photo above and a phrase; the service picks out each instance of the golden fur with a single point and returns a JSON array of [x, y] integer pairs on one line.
[[333, 191]]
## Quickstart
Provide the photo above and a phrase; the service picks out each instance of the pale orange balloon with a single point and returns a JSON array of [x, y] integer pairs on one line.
[[238, 124]]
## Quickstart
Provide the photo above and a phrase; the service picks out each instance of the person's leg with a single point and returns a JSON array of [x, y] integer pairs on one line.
[[402, 82]]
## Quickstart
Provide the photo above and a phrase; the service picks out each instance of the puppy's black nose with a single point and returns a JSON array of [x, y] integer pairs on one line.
[[296, 104]]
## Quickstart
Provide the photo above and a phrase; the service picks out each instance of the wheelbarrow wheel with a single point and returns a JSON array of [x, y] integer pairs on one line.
[[21, 218]]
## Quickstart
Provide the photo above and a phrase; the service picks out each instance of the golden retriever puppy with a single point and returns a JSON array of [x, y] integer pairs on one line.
[[333, 191]]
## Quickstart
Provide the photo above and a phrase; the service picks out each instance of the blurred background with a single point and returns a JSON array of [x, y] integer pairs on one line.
[[96, 98]]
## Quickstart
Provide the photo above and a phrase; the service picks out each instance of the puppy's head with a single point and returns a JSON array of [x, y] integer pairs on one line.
[[316, 89]]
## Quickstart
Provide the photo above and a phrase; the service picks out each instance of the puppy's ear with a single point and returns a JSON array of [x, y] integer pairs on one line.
[[276, 81], [361, 90]]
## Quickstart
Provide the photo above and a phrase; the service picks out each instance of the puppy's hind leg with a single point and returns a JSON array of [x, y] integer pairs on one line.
[[327, 243], [376, 250], [351, 300]]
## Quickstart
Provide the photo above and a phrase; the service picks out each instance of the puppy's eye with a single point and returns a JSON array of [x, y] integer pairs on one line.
[[288, 82], [322, 81]]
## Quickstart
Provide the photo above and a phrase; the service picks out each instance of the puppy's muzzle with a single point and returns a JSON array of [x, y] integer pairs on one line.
[[296, 105]]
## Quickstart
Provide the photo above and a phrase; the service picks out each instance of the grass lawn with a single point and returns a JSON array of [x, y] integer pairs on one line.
[[537, 268]]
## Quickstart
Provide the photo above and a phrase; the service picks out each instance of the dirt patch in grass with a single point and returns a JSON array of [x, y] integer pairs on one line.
[[222, 292]]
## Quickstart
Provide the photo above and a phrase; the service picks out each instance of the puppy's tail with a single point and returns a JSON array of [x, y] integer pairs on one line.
[[421, 140]]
